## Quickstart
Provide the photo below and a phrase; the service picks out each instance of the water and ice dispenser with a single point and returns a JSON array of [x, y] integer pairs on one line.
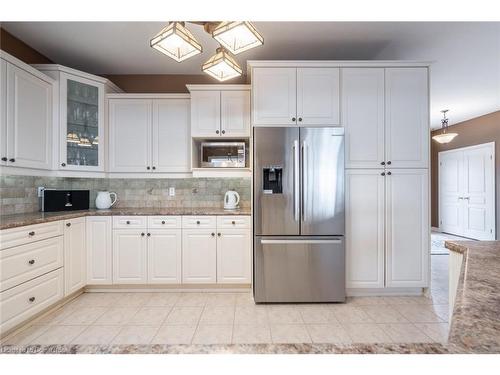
[[273, 179]]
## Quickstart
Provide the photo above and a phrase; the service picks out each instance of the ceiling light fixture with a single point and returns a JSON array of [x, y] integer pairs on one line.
[[176, 42], [444, 137], [222, 66], [237, 37], [72, 137]]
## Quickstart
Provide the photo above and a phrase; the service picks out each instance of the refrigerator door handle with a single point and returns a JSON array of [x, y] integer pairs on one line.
[[296, 182], [304, 181], [276, 242]]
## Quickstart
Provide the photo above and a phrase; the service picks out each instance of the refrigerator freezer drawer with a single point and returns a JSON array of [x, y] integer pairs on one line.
[[291, 269]]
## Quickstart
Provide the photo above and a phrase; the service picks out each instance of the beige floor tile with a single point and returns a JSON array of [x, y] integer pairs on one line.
[[57, 316], [418, 313], [95, 299], [316, 314], [328, 333], [284, 314], [251, 334], [213, 334], [58, 335], [408, 300], [132, 299], [221, 299], [256, 315], [217, 315], [192, 300], [383, 314], [97, 335], [117, 316], [83, 316], [163, 299], [139, 335], [289, 333], [184, 315], [245, 299], [26, 336], [350, 314], [405, 333], [436, 331], [366, 333], [174, 334], [362, 301], [150, 316]]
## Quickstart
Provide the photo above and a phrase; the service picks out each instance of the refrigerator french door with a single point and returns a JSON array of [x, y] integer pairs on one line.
[[299, 215]]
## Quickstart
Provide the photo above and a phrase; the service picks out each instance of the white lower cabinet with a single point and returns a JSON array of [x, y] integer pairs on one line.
[[129, 256], [233, 256], [199, 256], [75, 255], [99, 250], [164, 256]]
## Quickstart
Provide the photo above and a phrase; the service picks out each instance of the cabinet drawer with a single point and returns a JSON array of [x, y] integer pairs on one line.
[[164, 222], [23, 301], [231, 222], [29, 233], [199, 222], [23, 263], [126, 222]]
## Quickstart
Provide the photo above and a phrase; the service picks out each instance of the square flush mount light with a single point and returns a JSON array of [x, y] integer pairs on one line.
[[176, 42], [238, 36], [222, 66]]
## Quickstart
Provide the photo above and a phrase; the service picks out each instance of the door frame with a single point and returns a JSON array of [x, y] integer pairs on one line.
[[491, 146]]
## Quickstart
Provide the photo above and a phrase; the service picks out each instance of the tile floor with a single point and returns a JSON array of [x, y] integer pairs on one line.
[[224, 318]]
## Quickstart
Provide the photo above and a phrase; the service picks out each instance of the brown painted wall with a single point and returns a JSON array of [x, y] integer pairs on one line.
[[163, 83], [17, 48], [472, 132]]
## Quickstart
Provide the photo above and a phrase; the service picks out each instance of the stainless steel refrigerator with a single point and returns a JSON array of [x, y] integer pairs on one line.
[[299, 253]]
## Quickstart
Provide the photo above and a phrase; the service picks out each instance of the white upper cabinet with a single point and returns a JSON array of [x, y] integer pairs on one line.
[[274, 94], [235, 113], [363, 117], [205, 113], [318, 96], [171, 135], [26, 123], [407, 228], [220, 111], [407, 117], [130, 135], [75, 255]]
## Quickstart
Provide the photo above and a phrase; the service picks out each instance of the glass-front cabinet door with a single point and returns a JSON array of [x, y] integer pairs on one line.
[[82, 124]]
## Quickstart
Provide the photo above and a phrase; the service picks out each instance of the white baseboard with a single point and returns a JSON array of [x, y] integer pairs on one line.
[[227, 288], [383, 292]]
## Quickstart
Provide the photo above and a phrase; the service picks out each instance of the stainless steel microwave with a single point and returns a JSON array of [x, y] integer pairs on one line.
[[222, 155]]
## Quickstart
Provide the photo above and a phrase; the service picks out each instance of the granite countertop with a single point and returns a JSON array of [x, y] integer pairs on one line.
[[475, 325], [19, 220]]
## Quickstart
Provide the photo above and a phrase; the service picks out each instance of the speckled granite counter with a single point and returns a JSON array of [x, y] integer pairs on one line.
[[475, 323], [18, 220]]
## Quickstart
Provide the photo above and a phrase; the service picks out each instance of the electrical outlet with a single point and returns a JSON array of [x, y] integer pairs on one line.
[[171, 191]]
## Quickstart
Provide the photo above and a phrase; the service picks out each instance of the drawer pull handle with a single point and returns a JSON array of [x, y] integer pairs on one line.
[[128, 221], [213, 234], [149, 234], [31, 299], [198, 222], [233, 222], [31, 262], [218, 234], [142, 234], [31, 233], [68, 224], [163, 221]]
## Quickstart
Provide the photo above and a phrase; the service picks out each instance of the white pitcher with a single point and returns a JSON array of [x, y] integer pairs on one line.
[[231, 200], [103, 199]]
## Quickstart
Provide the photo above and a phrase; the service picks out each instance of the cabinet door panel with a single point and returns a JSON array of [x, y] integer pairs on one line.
[[164, 256], [407, 117], [235, 113], [171, 135], [75, 255], [450, 192], [363, 116], [199, 256], [99, 250], [3, 112], [365, 228], [130, 135], [129, 257], [29, 120], [233, 256], [274, 96], [205, 113], [318, 96], [407, 228]]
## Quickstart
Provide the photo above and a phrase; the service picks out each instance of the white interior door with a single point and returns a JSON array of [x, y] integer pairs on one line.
[[450, 175]]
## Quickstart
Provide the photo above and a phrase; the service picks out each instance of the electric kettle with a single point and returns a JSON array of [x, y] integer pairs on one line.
[[231, 200]]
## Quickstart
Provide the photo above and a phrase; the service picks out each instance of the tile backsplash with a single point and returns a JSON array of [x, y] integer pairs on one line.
[[18, 194]]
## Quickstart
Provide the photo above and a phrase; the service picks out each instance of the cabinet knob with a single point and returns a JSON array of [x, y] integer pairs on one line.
[[233, 222], [31, 299], [4, 159], [12, 160], [389, 162], [216, 132], [31, 262], [213, 234], [142, 234], [68, 224], [294, 119], [218, 234], [389, 173], [198, 222], [31, 234], [154, 168], [382, 174], [223, 132], [300, 119], [149, 234], [148, 167], [163, 221], [63, 164], [382, 163]]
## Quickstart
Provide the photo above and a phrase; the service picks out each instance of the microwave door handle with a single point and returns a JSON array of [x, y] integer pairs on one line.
[[296, 181]]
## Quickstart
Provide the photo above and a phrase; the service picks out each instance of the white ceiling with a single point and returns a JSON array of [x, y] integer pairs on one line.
[[465, 75]]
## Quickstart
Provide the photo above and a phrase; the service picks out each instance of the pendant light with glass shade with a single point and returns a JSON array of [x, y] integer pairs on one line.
[[237, 37], [176, 42], [222, 66], [444, 137]]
